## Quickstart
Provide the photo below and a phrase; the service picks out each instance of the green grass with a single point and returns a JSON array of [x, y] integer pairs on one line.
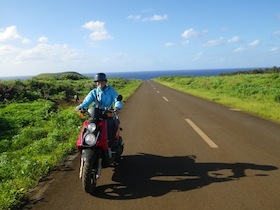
[[38, 144], [258, 94], [36, 135]]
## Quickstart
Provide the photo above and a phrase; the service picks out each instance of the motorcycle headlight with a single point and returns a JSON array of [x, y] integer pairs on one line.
[[91, 127], [90, 139]]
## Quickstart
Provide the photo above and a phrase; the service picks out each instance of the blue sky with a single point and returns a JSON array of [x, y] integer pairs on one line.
[[90, 36]]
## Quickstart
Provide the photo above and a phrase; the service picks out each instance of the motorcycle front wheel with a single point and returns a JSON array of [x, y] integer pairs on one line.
[[89, 178]]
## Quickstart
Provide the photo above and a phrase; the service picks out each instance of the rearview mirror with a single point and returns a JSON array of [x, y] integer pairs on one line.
[[119, 98]]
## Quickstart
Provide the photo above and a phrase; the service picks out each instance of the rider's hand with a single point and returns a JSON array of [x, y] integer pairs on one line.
[[77, 109], [116, 110]]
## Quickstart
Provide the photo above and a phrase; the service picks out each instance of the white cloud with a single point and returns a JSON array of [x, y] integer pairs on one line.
[[40, 58], [190, 33], [11, 33], [42, 39], [215, 42], [240, 49], [186, 42], [156, 18], [138, 18], [25, 41], [276, 33], [134, 17], [8, 53], [169, 44], [98, 31], [198, 56], [274, 49], [234, 39], [254, 43], [11, 54], [7, 49], [45, 52]]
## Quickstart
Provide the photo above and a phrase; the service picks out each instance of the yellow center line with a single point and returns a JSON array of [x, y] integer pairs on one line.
[[202, 134]]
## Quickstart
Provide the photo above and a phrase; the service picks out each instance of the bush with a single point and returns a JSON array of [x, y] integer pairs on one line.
[[277, 98]]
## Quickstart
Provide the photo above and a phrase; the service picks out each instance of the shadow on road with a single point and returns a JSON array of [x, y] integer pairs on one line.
[[145, 175]]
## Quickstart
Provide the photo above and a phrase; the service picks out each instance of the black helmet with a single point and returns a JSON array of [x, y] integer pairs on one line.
[[100, 77]]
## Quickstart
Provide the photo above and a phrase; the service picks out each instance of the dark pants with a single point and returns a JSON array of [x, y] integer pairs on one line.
[[111, 130]]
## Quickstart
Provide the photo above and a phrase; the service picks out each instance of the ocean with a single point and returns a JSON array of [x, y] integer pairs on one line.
[[147, 75]]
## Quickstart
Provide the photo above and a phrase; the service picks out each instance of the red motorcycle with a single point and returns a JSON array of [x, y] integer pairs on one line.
[[93, 145]]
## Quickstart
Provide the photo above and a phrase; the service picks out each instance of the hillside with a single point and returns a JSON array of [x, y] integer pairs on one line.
[[62, 75]]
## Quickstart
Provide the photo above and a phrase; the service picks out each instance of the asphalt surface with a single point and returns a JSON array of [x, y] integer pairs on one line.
[[181, 152]]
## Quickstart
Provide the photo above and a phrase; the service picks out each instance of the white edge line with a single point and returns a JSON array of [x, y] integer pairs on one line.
[[202, 134]]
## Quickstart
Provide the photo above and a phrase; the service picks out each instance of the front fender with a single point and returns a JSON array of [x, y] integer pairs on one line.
[[88, 154]]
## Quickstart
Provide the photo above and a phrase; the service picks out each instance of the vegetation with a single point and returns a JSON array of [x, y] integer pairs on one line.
[[44, 87], [39, 128], [57, 87], [258, 93], [274, 69]]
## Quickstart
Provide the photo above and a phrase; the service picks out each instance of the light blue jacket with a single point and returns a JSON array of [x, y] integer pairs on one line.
[[104, 98]]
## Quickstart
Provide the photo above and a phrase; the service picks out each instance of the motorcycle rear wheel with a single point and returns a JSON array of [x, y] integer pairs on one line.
[[89, 177]]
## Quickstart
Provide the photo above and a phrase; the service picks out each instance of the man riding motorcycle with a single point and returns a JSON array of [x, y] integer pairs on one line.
[[104, 97]]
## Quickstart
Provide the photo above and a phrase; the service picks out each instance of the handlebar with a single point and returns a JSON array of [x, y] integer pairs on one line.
[[98, 113]]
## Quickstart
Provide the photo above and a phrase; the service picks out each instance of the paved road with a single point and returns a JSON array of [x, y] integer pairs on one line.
[[181, 152]]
